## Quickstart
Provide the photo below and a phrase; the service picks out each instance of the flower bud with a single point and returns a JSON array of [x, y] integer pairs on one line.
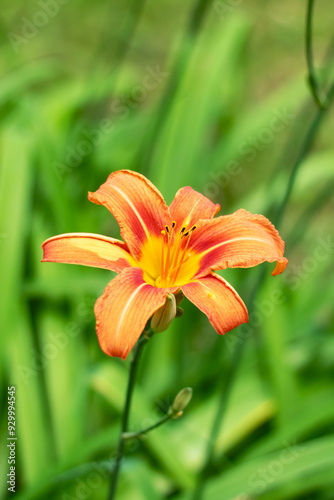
[[181, 400], [177, 415], [163, 317], [179, 296], [179, 312]]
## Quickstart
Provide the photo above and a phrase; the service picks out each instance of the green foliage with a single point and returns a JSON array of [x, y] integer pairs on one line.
[[226, 112]]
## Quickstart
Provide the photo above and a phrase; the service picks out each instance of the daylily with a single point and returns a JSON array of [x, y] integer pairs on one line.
[[165, 249]]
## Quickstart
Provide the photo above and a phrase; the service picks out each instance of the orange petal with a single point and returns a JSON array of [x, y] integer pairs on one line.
[[189, 206], [87, 250], [238, 240], [218, 300], [137, 205], [123, 310]]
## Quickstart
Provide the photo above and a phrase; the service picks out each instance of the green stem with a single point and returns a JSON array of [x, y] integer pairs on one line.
[[305, 148], [130, 435], [312, 79], [311, 211], [126, 412], [227, 382]]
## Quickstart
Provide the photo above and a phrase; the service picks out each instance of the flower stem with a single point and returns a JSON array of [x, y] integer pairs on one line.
[[312, 79], [126, 412], [304, 150], [130, 435]]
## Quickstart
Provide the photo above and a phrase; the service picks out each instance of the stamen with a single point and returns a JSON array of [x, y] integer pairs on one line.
[[176, 254], [168, 256], [178, 267], [162, 269]]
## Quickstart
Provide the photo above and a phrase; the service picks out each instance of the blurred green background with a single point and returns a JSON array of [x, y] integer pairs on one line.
[[210, 94]]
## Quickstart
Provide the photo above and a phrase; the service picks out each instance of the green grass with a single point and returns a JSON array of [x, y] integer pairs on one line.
[[209, 122]]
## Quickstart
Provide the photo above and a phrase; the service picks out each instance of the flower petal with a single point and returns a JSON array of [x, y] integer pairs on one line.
[[241, 239], [87, 250], [189, 206], [123, 310], [137, 205], [216, 298]]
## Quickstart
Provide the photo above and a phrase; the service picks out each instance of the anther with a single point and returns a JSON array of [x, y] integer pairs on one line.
[[183, 230], [193, 228], [173, 224], [167, 229]]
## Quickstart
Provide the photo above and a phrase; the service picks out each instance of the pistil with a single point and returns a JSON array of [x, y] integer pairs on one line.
[[187, 235]]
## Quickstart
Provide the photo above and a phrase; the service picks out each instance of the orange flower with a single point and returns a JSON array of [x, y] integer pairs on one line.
[[165, 249]]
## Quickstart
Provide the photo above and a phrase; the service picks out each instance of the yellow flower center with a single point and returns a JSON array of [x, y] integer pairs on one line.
[[167, 261]]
